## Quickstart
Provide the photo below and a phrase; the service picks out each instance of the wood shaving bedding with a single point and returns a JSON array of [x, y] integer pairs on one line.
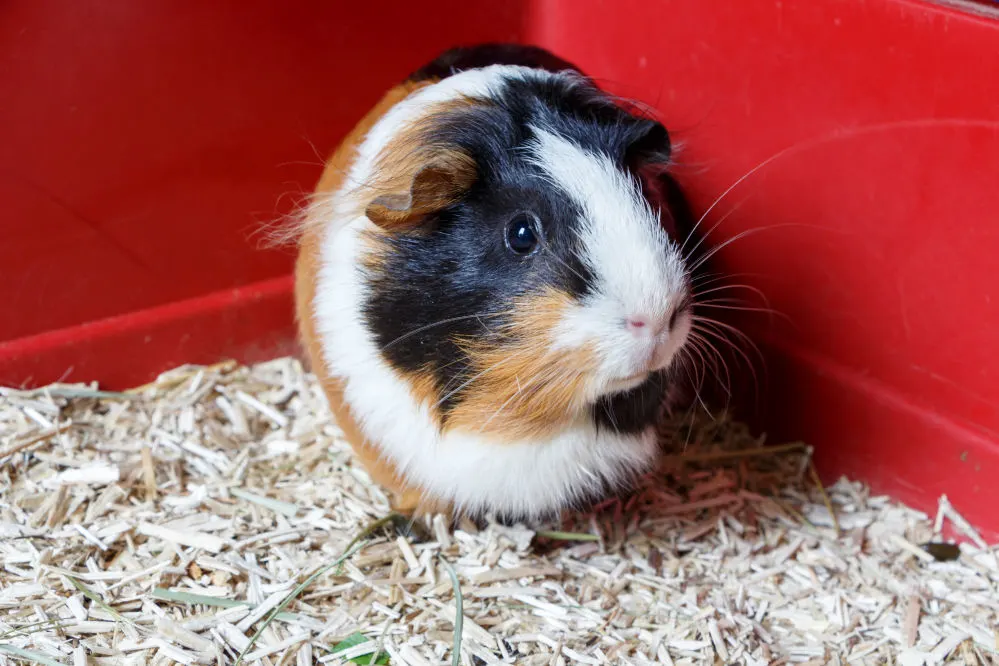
[[166, 524]]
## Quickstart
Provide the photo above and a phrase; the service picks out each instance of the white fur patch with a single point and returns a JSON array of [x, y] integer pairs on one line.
[[471, 470], [638, 270]]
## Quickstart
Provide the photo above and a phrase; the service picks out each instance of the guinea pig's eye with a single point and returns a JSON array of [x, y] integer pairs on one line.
[[522, 234]]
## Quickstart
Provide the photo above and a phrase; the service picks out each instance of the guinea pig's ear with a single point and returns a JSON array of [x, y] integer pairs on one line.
[[437, 183], [650, 146], [648, 157]]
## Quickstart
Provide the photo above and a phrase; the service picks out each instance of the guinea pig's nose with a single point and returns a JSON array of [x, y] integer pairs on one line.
[[636, 323], [643, 325]]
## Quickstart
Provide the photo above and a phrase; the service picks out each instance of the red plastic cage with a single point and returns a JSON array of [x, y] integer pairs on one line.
[[145, 143]]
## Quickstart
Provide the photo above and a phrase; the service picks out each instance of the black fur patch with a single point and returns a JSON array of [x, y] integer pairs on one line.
[[453, 278], [632, 411], [484, 55]]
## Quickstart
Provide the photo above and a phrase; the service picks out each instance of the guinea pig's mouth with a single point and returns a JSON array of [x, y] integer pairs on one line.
[[627, 383], [637, 377]]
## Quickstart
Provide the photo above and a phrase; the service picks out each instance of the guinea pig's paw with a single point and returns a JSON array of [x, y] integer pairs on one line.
[[416, 504], [411, 527]]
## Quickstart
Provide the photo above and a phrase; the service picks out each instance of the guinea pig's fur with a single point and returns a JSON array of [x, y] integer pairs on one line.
[[477, 248]]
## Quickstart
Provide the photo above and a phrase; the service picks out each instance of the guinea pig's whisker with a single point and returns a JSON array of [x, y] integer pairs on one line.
[[690, 429], [721, 337], [699, 284], [706, 279], [698, 364], [801, 146], [689, 365], [717, 277], [709, 354], [726, 301], [546, 377], [458, 376], [719, 332], [548, 249], [479, 375], [747, 232], [698, 319], [741, 180], [705, 235], [503, 406], [736, 303], [694, 345], [851, 132], [456, 379], [729, 287], [442, 322], [610, 416], [733, 304], [721, 246], [718, 358], [538, 377], [700, 397], [697, 394], [841, 134], [468, 381]]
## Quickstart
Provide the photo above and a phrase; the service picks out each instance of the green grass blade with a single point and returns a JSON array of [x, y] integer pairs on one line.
[[351, 548], [33, 657], [96, 598], [459, 614], [355, 639], [164, 594]]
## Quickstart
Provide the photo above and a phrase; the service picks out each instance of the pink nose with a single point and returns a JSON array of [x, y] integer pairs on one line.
[[637, 324]]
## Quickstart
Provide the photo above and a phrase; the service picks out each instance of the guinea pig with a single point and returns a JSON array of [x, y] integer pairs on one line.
[[491, 289]]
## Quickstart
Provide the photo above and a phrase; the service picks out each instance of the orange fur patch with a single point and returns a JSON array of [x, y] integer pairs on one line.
[[430, 184], [415, 175], [523, 387], [423, 388]]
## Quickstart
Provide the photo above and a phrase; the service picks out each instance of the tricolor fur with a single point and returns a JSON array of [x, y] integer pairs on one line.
[[487, 380]]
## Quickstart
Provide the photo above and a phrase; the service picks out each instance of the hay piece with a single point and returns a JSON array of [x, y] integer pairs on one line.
[[208, 542], [555, 535], [285, 508]]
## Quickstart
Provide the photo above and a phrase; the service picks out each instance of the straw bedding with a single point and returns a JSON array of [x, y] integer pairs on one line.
[[172, 523]]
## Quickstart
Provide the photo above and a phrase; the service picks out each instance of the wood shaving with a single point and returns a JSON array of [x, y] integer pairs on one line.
[[164, 525]]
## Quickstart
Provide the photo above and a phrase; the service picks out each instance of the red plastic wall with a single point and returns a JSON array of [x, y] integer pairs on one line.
[[139, 155], [146, 143]]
